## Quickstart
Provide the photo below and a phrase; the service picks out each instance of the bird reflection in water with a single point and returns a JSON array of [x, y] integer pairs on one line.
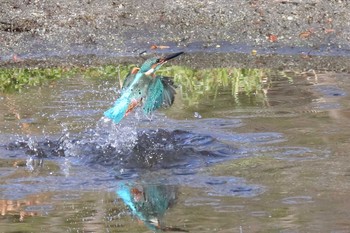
[[149, 203]]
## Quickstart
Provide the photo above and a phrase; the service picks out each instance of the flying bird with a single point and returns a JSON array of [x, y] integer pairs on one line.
[[142, 87]]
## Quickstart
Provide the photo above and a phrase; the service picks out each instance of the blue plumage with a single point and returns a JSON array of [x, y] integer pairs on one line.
[[119, 109], [154, 99], [148, 203], [141, 86]]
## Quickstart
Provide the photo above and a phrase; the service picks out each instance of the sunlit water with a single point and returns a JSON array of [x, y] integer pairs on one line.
[[229, 164]]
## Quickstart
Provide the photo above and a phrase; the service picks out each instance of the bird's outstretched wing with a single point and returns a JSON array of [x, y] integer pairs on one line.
[[168, 92], [160, 93], [129, 78], [131, 93]]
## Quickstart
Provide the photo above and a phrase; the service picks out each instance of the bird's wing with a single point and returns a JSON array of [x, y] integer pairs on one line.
[[132, 92], [160, 93], [168, 92], [129, 78], [154, 96]]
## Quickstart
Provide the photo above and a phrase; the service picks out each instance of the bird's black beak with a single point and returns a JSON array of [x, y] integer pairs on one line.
[[171, 56]]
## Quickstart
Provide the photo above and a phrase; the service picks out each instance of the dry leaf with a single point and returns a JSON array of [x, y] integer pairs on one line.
[[328, 30], [305, 56], [272, 38], [159, 47], [15, 58], [305, 35]]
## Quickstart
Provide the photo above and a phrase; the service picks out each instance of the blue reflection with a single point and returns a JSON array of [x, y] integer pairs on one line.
[[149, 203]]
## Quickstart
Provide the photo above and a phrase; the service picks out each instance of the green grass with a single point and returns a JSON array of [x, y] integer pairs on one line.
[[193, 84], [196, 84], [15, 79]]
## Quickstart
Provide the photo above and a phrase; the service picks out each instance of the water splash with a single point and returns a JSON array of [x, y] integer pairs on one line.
[[120, 137], [128, 150]]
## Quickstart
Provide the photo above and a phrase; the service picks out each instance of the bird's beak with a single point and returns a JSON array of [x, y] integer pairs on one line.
[[161, 62], [171, 56]]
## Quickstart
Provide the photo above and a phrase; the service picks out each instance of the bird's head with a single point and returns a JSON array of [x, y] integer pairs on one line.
[[153, 64]]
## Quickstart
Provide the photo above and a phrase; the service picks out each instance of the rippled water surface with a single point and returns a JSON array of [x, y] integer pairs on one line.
[[228, 164]]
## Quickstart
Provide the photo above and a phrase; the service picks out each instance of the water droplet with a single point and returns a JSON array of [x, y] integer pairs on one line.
[[197, 115]]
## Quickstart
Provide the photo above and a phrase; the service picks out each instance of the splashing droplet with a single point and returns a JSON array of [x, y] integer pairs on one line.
[[197, 115]]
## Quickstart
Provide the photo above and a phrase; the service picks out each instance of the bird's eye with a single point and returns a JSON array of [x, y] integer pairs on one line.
[[157, 60]]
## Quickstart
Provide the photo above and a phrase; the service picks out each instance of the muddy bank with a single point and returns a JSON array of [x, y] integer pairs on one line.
[[98, 32]]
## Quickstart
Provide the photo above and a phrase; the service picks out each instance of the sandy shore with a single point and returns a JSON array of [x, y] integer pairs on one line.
[[91, 32]]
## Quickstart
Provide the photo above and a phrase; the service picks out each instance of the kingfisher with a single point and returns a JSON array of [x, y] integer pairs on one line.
[[142, 87], [149, 203]]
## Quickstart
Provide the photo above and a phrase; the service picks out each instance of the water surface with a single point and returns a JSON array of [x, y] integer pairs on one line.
[[245, 163]]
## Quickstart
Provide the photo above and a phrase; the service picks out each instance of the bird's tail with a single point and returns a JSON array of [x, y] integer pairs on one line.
[[118, 111]]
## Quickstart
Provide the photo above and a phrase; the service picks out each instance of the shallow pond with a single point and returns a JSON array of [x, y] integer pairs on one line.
[[277, 163]]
